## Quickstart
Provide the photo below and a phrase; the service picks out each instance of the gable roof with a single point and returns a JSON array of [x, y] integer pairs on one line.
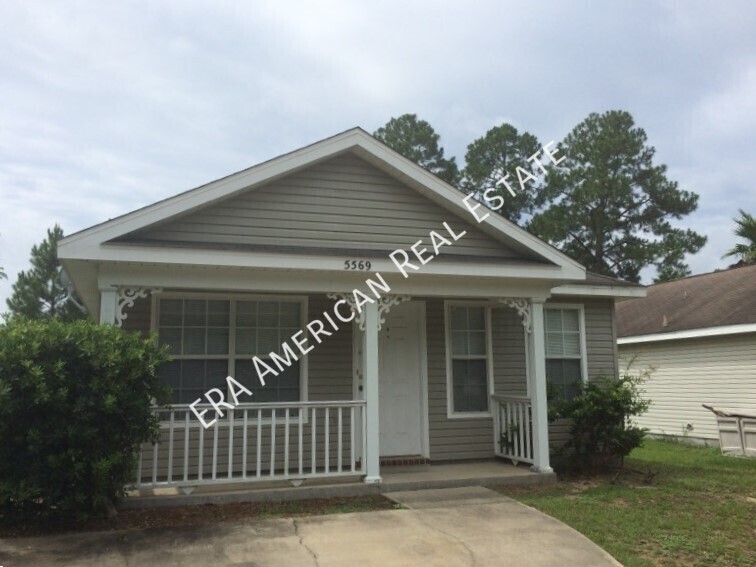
[[87, 244], [339, 206], [714, 300]]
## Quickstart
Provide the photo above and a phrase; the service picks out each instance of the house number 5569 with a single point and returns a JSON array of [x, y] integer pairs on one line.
[[356, 264]]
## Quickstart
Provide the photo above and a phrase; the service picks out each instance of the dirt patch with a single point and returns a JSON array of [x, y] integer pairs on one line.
[[139, 519]]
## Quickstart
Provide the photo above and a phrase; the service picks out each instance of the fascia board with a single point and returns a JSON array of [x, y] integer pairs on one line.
[[241, 259], [599, 290], [690, 334]]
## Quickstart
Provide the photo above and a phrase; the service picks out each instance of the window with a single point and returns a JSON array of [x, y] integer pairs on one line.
[[210, 339], [469, 377], [261, 327], [564, 350]]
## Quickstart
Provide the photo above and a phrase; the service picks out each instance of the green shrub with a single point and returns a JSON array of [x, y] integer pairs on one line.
[[601, 428], [74, 405]]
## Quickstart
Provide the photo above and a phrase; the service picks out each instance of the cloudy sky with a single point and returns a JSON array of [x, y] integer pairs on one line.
[[106, 107]]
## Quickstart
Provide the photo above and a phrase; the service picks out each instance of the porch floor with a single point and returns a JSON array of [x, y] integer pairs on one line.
[[395, 478]]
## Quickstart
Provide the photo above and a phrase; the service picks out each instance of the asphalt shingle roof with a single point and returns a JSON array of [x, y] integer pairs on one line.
[[715, 299]]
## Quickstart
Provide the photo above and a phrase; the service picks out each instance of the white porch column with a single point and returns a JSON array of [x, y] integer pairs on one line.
[[108, 305], [537, 377], [370, 382]]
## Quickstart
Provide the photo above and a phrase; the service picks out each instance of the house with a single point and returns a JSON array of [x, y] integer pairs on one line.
[[447, 362], [699, 336]]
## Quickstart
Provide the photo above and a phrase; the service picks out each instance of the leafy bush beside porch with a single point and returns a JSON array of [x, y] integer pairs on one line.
[[602, 433], [75, 402]]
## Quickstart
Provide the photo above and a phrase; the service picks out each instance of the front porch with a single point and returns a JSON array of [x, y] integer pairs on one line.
[[399, 405], [293, 443], [490, 473]]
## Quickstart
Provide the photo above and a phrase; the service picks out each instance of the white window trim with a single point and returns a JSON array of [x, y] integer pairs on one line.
[[450, 413], [581, 322], [231, 356]]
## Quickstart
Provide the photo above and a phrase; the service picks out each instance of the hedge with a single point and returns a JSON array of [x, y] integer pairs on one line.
[[75, 404]]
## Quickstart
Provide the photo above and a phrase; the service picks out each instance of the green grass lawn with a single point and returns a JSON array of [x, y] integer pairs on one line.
[[699, 509]]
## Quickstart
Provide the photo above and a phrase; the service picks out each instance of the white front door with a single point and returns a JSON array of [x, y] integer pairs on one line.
[[400, 383]]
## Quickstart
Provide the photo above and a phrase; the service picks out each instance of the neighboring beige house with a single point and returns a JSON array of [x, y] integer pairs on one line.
[[699, 335], [449, 364]]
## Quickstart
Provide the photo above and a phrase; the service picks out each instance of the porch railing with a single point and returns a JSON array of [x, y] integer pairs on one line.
[[513, 432], [255, 442]]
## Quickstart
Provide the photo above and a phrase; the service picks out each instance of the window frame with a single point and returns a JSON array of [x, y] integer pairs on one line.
[[580, 308], [450, 413], [231, 356]]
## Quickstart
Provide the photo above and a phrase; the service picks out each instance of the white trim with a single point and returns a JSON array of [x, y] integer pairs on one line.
[[153, 315], [690, 334], [581, 322], [424, 378], [181, 255], [539, 403], [357, 382], [231, 356], [528, 363], [486, 306], [599, 290], [308, 282], [83, 244], [372, 451], [108, 300]]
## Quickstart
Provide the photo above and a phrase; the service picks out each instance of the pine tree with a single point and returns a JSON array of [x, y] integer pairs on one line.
[[609, 206], [417, 141], [496, 155], [40, 293]]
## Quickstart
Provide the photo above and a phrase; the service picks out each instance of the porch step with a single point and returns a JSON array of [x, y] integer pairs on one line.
[[404, 461], [443, 497], [395, 480]]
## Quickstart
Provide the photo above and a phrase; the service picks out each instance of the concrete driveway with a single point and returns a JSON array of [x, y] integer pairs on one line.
[[449, 527]]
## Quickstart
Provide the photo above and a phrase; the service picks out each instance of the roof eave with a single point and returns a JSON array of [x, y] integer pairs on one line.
[[722, 330], [616, 291]]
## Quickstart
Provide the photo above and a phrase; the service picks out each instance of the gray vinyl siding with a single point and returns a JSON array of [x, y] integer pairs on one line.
[[600, 339], [717, 371], [449, 439], [343, 203], [330, 363], [509, 344], [455, 439]]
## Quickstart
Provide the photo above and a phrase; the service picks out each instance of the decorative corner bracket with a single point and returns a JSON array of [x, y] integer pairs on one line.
[[126, 297], [348, 298], [385, 303], [522, 306]]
